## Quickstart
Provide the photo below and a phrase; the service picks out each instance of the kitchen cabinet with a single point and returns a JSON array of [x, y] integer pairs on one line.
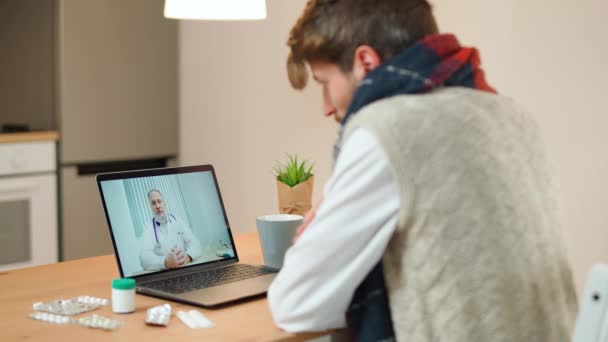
[[105, 74]]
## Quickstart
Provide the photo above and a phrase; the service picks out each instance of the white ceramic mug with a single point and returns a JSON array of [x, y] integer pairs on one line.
[[276, 235]]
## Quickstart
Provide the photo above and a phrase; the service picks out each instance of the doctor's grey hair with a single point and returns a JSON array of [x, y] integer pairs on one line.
[[155, 190]]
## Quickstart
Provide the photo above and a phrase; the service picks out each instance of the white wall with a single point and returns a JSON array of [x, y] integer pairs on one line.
[[239, 113]]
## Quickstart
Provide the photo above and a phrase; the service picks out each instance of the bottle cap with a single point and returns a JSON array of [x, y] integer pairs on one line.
[[123, 283]]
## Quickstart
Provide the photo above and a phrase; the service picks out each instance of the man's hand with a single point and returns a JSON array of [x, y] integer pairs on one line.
[[176, 258], [307, 219], [171, 260], [181, 256]]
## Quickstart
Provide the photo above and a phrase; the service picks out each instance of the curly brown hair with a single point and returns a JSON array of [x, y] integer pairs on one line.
[[331, 30]]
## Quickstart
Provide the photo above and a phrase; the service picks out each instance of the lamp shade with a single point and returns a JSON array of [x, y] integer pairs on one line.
[[216, 9]]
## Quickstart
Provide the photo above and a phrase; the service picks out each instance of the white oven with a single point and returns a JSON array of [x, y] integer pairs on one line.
[[28, 204]]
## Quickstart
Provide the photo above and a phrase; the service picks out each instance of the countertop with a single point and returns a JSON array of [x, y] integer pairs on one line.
[[29, 136]]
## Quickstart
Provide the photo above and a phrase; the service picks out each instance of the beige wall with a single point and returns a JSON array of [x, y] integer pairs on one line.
[[239, 113]]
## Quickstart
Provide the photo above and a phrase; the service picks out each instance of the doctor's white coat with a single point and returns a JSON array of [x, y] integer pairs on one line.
[[172, 233]]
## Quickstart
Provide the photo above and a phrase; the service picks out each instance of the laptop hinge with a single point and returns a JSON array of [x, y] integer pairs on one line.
[[183, 271]]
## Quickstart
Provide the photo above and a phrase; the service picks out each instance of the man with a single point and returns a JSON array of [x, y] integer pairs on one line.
[[438, 222], [167, 242]]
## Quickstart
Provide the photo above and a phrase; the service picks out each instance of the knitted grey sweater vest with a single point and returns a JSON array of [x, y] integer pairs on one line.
[[478, 253]]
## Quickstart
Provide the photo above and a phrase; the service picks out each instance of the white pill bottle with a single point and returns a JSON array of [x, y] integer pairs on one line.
[[123, 295]]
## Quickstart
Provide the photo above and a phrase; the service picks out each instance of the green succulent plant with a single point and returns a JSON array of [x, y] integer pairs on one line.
[[293, 172]]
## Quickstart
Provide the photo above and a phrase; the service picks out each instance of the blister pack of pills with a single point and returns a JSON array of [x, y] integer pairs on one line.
[[158, 315], [194, 319], [51, 318], [92, 321], [92, 300], [98, 322], [72, 306]]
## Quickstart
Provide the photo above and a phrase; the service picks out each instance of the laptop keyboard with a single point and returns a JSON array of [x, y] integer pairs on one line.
[[210, 278]]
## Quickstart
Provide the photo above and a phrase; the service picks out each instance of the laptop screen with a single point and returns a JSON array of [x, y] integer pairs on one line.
[[161, 222]]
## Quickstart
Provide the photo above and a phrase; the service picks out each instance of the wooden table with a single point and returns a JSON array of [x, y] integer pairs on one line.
[[19, 289]]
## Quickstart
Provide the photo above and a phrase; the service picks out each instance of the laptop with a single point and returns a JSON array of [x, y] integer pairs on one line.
[[170, 233]]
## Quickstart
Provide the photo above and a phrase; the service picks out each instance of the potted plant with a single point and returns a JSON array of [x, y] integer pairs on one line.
[[294, 184]]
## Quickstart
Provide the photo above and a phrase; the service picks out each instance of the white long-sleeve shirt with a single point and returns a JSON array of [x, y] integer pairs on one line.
[[346, 239]]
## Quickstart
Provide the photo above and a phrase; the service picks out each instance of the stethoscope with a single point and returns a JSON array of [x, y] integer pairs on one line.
[[158, 249]]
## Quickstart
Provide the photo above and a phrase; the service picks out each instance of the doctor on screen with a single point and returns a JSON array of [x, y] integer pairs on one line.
[[167, 241]]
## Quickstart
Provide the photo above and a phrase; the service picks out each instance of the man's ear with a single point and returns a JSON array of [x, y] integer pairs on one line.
[[366, 59]]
